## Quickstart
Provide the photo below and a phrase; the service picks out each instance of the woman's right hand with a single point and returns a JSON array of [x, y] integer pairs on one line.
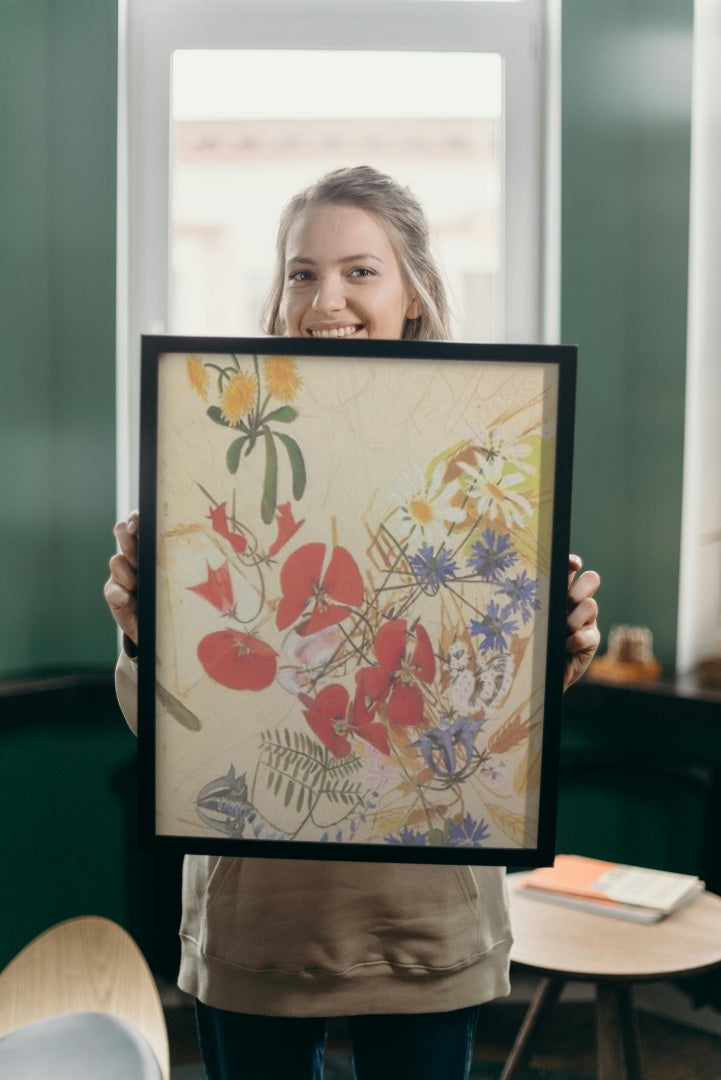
[[121, 587]]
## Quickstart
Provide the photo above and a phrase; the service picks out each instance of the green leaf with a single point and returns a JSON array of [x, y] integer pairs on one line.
[[270, 485], [297, 464], [289, 793], [213, 411], [232, 456], [176, 709], [216, 415], [286, 414]]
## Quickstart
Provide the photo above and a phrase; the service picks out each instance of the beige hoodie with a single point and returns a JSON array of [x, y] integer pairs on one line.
[[309, 938]]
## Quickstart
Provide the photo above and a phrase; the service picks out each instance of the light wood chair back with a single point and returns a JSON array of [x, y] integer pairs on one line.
[[87, 964]]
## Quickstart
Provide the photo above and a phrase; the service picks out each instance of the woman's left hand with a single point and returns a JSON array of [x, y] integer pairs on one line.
[[582, 633]]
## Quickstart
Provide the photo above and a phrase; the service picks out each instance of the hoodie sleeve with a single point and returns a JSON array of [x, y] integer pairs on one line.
[[126, 688]]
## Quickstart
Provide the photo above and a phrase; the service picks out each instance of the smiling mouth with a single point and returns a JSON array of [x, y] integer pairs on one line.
[[335, 331]]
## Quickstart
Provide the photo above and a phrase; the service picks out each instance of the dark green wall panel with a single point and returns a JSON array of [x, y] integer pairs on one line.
[[626, 145], [58, 81]]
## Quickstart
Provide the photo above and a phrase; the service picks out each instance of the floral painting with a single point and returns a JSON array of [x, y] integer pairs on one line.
[[351, 584]]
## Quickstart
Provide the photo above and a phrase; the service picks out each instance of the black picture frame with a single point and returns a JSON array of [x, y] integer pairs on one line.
[[241, 607]]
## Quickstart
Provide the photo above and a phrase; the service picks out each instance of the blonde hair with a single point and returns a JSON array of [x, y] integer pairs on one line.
[[403, 217]]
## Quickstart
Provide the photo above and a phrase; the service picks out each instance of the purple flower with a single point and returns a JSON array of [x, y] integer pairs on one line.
[[439, 745], [492, 556], [467, 833], [408, 836], [432, 570], [493, 628], [521, 592]]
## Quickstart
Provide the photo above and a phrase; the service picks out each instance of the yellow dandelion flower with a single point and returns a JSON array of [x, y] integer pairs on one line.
[[281, 377], [238, 397], [198, 376]]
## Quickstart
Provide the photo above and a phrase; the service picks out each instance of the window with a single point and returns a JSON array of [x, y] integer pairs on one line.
[[237, 157], [227, 105]]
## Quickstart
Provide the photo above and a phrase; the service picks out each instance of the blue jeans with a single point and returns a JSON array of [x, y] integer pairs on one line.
[[406, 1046]]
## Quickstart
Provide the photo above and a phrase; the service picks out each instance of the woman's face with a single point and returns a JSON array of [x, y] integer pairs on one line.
[[342, 277]]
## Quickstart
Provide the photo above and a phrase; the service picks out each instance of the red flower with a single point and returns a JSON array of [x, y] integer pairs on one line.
[[363, 724], [238, 661], [287, 528], [405, 658], [218, 589], [219, 521], [326, 715], [329, 717], [301, 582]]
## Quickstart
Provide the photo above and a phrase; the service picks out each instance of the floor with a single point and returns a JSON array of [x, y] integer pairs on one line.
[[669, 1050]]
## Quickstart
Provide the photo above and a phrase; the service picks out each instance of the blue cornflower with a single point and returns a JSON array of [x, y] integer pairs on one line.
[[492, 556], [432, 570], [467, 833], [493, 628], [408, 836], [521, 591], [438, 746]]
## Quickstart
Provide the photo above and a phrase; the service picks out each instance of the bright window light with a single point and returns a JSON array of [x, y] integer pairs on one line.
[[251, 127]]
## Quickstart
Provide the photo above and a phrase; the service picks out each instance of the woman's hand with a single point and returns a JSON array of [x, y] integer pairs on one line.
[[583, 635], [120, 588]]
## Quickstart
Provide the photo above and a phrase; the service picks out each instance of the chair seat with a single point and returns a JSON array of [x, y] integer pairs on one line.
[[78, 1046]]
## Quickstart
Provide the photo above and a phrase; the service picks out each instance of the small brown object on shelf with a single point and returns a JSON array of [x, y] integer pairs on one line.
[[709, 671], [629, 657]]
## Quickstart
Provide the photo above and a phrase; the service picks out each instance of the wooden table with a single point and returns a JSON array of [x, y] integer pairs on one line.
[[563, 944]]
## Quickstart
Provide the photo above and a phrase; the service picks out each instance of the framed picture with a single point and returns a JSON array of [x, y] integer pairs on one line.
[[352, 597]]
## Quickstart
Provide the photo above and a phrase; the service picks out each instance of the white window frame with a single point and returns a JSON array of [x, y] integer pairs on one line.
[[699, 598], [526, 34]]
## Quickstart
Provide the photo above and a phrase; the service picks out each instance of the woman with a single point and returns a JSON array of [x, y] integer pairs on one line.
[[271, 948]]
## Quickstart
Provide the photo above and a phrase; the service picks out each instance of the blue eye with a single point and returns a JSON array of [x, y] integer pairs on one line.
[[300, 276]]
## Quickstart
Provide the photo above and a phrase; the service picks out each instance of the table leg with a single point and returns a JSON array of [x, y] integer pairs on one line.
[[617, 1033], [545, 997]]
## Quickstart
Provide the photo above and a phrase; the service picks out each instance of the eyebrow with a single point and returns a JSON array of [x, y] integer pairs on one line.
[[361, 257]]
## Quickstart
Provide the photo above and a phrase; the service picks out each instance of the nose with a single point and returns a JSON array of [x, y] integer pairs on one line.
[[329, 295]]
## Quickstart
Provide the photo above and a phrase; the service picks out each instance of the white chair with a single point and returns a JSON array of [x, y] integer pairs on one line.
[[80, 1002]]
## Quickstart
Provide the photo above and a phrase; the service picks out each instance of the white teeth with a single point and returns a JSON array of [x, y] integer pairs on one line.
[[335, 332]]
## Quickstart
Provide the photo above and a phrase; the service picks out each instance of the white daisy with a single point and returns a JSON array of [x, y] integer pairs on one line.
[[427, 504], [502, 442], [492, 488]]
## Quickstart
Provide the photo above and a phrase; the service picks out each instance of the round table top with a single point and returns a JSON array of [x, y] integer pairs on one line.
[[559, 940]]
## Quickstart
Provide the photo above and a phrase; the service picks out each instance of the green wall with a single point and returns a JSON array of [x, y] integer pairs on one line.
[[58, 75], [625, 200], [626, 137]]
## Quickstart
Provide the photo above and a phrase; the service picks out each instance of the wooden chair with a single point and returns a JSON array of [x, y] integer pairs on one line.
[[85, 968], [563, 944]]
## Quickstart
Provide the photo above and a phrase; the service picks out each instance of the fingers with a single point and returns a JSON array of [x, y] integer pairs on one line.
[[583, 587], [582, 613], [583, 636], [575, 562], [126, 534], [123, 608], [120, 588], [586, 640]]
